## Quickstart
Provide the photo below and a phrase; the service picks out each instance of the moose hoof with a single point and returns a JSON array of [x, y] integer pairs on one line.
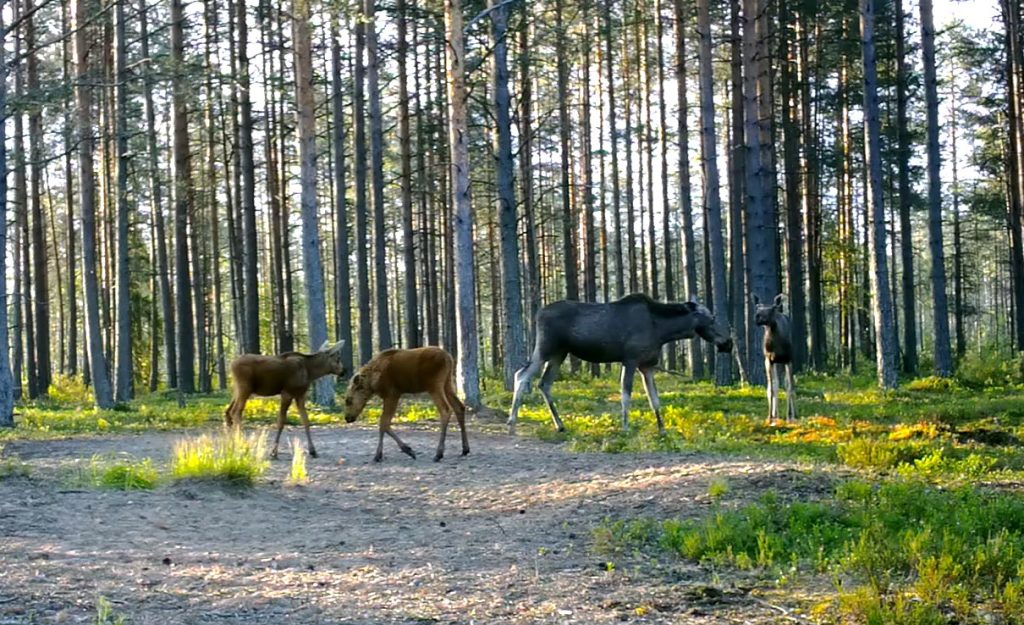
[[312, 452], [465, 451], [273, 455], [409, 452], [378, 457], [438, 456]]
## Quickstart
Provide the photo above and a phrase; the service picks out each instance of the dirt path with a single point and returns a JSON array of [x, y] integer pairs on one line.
[[499, 536]]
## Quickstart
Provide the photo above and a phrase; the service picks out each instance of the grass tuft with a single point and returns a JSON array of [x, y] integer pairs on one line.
[[105, 614], [298, 476], [230, 456], [115, 472]]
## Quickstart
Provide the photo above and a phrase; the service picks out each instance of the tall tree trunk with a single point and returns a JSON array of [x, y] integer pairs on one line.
[[943, 358], [533, 288], [183, 200], [739, 298], [882, 312], [812, 212], [69, 197], [84, 80], [712, 200], [412, 324], [124, 381], [760, 225], [157, 210], [377, 178], [683, 20], [958, 257], [791, 147], [903, 165], [620, 270], [342, 286], [250, 251], [666, 214], [6, 378], [362, 212], [316, 306], [458, 131], [1015, 175], [21, 198], [513, 335], [39, 264]]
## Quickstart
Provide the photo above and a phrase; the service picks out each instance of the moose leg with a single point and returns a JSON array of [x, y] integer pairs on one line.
[[386, 415], [282, 413], [300, 403], [228, 412], [234, 415], [445, 412], [769, 371], [628, 372], [546, 380], [652, 396], [460, 414], [790, 394], [523, 377]]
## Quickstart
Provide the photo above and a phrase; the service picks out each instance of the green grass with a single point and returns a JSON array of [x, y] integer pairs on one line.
[[902, 551], [106, 615], [124, 473], [297, 474], [230, 456]]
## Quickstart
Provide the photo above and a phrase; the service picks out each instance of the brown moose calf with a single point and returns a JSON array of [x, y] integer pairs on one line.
[[288, 375], [396, 372]]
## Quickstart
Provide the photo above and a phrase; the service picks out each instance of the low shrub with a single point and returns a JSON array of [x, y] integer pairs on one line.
[[231, 456]]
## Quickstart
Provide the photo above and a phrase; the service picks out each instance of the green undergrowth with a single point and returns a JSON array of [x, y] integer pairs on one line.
[[230, 456], [896, 552], [932, 428], [117, 472]]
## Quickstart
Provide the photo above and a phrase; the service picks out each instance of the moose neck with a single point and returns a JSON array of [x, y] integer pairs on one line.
[[317, 365], [675, 328]]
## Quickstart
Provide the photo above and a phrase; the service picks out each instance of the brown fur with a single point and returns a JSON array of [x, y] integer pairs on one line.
[[398, 372], [288, 375]]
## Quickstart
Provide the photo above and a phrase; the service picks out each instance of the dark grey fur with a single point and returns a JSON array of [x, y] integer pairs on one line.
[[630, 331], [778, 353]]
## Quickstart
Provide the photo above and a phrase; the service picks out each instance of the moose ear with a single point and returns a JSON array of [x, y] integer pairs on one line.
[[691, 306], [778, 301], [756, 299], [337, 347], [324, 347]]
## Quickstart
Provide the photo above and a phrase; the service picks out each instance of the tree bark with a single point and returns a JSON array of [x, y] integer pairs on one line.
[[362, 242], [794, 181], [943, 358], [84, 80], [412, 323], [6, 377], [760, 226], [123, 383], [183, 200], [157, 209], [468, 371], [342, 285], [712, 200], [513, 335], [250, 251], [384, 340], [316, 315], [881, 300]]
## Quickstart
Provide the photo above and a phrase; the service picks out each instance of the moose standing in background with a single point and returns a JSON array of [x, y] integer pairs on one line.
[[630, 331], [396, 372], [289, 375], [778, 354]]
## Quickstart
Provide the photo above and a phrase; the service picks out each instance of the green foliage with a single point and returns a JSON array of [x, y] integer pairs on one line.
[[70, 390], [990, 368], [231, 456], [909, 550], [12, 466], [116, 472]]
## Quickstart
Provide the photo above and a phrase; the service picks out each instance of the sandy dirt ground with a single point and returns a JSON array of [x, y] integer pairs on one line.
[[503, 535]]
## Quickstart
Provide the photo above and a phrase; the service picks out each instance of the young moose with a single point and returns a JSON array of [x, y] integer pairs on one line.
[[396, 372], [289, 375], [778, 353]]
